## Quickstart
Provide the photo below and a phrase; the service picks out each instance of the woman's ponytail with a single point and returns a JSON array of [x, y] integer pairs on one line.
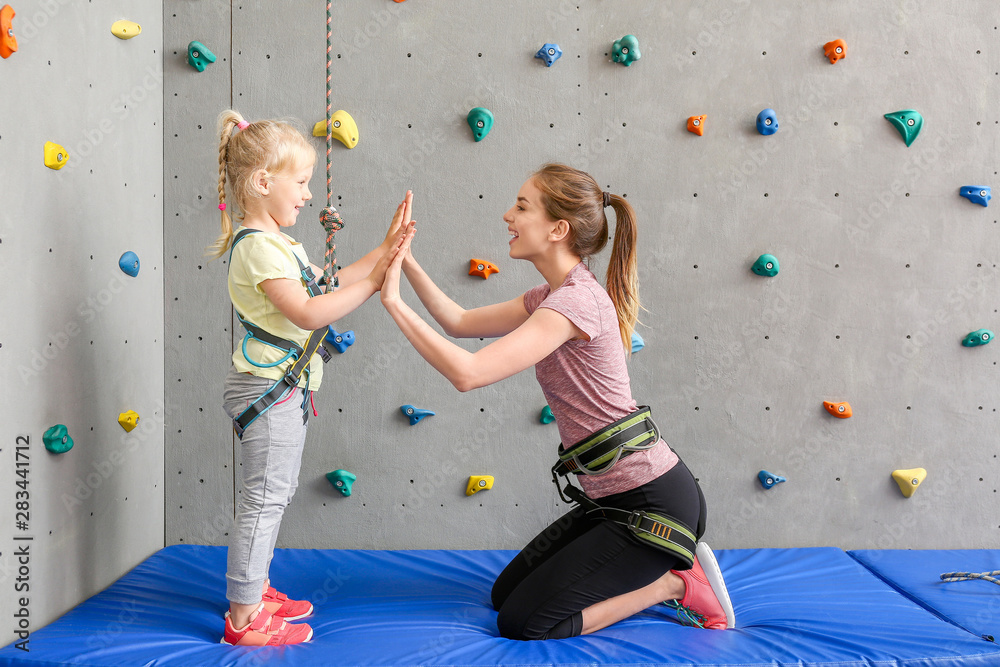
[[623, 272]]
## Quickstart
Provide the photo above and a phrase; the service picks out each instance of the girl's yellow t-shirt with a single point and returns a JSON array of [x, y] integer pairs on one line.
[[258, 257]]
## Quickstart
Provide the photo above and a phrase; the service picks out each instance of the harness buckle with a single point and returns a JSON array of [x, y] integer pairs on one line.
[[633, 520]]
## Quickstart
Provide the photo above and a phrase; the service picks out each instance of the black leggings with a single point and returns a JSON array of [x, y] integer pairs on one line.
[[577, 562]]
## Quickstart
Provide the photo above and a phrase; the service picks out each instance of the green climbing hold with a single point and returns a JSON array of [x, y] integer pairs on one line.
[[626, 50], [977, 338], [481, 122], [547, 416], [766, 265], [57, 440], [908, 122], [342, 480]]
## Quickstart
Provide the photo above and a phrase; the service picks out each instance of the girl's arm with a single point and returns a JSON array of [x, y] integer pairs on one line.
[[537, 337], [360, 269], [485, 322]]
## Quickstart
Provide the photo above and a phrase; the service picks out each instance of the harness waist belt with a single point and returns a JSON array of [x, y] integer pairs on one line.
[[598, 453]]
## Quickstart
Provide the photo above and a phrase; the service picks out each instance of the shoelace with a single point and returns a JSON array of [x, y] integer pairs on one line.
[[686, 615]]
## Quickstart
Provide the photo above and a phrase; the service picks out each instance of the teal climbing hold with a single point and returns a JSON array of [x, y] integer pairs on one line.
[[626, 50], [414, 414], [766, 265], [129, 263], [767, 480], [977, 338], [637, 342], [342, 480], [908, 122], [547, 416], [57, 439], [199, 57], [481, 122]]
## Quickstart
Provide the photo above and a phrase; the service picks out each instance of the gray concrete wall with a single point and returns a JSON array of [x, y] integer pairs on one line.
[[80, 341], [884, 268]]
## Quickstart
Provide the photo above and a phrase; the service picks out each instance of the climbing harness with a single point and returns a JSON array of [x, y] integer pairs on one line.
[[329, 217], [596, 455], [299, 354]]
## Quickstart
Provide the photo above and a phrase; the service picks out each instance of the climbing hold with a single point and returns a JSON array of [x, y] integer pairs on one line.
[[767, 122], [128, 420], [977, 194], [8, 43], [199, 57], [977, 338], [55, 156], [841, 410], [480, 267], [340, 341], [547, 417], [481, 122], [549, 53], [415, 414], [696, 124], [908, 122], [767, 480], [342, 481], [766, 265], [909, 480], [835, 50], [125, 29], [57, 439], [342, 128], [129, 263], [479, 483], [626, 50], [637, 342]]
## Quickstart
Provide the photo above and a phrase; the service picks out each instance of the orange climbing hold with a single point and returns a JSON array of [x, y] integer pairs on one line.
[[841, 410], [696, 124], [480, 267], [8, 43], [835, 50]]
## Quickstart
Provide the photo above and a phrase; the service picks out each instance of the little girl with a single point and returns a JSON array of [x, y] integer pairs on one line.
[[268, 165], [632, 540]]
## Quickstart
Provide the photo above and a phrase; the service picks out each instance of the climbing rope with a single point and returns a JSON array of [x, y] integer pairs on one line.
[[968, 576], [329, 216]]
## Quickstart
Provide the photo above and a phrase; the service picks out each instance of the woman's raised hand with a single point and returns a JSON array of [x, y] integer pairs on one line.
[[400, 246], [390, 279], [399, 219]]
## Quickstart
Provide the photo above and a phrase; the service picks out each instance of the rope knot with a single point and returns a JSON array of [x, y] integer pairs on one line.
[[331, 219]]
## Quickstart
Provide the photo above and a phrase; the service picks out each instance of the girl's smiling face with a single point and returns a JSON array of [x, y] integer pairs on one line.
[[287, 193]]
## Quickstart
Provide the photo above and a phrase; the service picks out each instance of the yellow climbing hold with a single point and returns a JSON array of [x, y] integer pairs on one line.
[[343, 128], [479, 483], [129, 420], [125, 29], [55, 156], [909, 480]]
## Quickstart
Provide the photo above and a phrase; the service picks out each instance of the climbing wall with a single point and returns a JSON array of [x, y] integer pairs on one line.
[[884, 267], [81, 341]]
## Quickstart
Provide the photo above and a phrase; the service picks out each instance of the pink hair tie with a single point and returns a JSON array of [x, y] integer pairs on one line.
[[222, 207], [242, 124]]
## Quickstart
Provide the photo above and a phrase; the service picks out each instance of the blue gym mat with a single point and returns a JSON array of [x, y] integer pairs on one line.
[[813, 606], [973, 605]]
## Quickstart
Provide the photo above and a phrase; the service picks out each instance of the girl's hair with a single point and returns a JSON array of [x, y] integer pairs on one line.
[[573, 195], [271, 146]]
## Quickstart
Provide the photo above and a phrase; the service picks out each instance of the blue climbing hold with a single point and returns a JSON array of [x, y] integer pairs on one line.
[[342, 480], [549, 53], [977, 338], [766, 265], [414, 414], [767, 122], [339, 341], [637, 342], [129, 263], [977, 194], [767, 480], [626, 50], [57, 439], [547, 417]]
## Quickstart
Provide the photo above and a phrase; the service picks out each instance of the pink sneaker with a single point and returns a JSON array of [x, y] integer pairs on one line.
[[290, 610], [266, 629], [706, 602]]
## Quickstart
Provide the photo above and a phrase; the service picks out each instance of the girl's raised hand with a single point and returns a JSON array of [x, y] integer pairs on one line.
[[400, 246], [390, 281], [399, 219]]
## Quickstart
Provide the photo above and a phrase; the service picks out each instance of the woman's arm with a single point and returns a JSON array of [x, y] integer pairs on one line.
[[485, 322]]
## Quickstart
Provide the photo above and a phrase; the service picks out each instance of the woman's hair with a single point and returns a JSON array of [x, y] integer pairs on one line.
[[269, 146], [573, 195]]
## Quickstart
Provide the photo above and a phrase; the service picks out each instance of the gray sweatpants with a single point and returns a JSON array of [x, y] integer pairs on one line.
[[271, 454]]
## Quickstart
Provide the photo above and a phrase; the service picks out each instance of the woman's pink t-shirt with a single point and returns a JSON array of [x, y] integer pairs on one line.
[[586, 382]]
